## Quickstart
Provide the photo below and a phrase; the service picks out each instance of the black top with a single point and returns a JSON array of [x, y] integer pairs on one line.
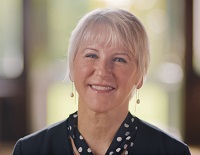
[[54, 140], [123, 140]]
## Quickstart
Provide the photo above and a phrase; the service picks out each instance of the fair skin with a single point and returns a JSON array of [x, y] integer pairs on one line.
[[104, 77]]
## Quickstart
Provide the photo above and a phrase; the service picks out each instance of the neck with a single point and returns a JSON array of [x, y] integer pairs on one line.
[[99, 129]]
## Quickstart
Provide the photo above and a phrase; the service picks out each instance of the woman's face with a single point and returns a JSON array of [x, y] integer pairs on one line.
[[104, 77]]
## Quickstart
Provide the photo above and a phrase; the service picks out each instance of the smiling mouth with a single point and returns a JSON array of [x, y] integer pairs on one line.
[[101, 88]]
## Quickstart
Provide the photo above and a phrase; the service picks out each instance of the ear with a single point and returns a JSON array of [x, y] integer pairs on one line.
[[71, 76], [140, 83]]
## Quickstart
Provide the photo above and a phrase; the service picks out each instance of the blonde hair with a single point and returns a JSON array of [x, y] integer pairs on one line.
[[121, 28]]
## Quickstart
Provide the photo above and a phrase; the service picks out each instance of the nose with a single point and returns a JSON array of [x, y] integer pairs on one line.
[[103, 68]]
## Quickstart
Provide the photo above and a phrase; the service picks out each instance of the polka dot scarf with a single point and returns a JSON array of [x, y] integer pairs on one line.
[[122, 142]]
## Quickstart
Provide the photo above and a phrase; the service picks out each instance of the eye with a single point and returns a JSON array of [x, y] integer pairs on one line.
[[91, 56], [120, 60]]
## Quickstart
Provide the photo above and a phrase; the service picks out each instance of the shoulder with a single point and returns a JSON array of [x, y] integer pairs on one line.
[[45, 141], [153, 138], [52, 130]]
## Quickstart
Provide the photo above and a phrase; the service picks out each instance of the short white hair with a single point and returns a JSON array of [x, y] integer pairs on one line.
[[121, 27]]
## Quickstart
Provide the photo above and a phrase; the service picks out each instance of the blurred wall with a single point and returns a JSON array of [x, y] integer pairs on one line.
[[34, 85]]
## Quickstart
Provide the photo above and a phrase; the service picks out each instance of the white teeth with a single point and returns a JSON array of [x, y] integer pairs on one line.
[[101, 87]]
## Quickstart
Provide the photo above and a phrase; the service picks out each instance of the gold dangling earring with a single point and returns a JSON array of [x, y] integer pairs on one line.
[[72, 93], [137, 98]]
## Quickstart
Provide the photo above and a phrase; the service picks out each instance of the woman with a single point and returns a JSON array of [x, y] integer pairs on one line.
[[108, 58]]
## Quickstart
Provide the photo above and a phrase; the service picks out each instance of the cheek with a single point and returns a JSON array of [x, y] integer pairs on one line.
[[81, 70], [128, 77]]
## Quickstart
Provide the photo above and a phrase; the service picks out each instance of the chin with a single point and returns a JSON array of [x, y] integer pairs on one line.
[[99, 109]]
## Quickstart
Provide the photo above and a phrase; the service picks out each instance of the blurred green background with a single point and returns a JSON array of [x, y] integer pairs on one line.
[[47, 32]]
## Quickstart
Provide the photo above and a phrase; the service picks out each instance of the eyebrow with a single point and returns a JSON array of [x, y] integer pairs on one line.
[[90, 48]]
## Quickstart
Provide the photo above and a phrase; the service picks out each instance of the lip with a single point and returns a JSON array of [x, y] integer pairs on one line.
[[101, 88]]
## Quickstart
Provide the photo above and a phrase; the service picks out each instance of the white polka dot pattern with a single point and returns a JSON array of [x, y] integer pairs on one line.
[[111, 153], [125, 146], [81, 138], [118, 149], [129, 137], [89, 150], [122, 142], [127, 133], [126, 125], [80, 149], [131, 144], [119, 139]]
